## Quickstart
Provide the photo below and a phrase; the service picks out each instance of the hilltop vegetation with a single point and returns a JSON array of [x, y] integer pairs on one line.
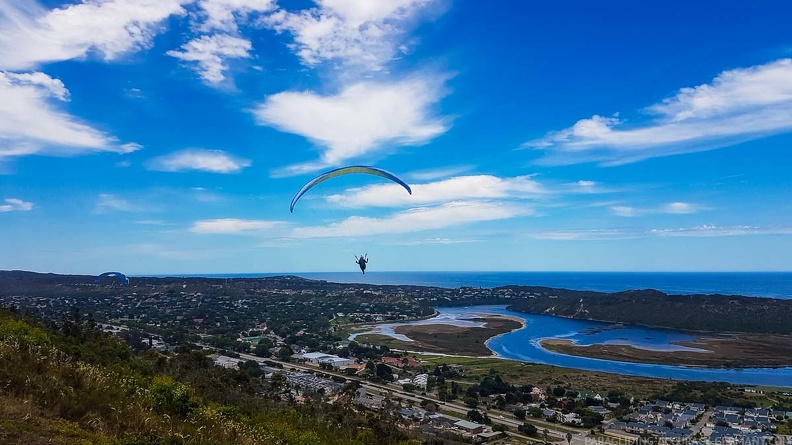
[[718, 313], [176, 307], [75, 384]]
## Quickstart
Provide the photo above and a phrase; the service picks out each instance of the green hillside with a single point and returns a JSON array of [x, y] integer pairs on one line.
[[73, 384]]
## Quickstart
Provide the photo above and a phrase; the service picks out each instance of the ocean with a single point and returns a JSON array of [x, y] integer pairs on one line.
[[752, 284]]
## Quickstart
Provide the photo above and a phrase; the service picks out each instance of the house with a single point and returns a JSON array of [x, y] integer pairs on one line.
[[401, 362], [442, 421], [489, 435], [571, 418], [420, 380], [227, 362], [412, 414], [370, 401], [605, 412], [470, 427]]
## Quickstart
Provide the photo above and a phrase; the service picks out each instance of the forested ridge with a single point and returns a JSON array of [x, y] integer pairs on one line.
[[648, 307]]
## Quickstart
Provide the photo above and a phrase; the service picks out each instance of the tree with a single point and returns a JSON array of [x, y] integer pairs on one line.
[[471, 402], [535, 412], [475, 416], [528, 429], [285, 353], [384, 372]]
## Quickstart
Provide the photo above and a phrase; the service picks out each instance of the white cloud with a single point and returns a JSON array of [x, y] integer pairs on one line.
[[584, 186], [31, 35], [441, 241], [153, 222], [415, 220], [15, 205], [679, 208], [223, 15], [587, 235], [738, 105], [709, 230], [704, 231], [211, 54], [438, 173], [31, 124], [108, 203], [452, 189], [360, 119], [215, 161], [232, 226], [673, 208], [355, 32]]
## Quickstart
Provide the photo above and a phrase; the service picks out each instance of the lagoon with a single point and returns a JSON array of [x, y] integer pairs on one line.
[[523, 345]]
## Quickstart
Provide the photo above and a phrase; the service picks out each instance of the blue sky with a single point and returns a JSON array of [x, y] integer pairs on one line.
[[169, 136]]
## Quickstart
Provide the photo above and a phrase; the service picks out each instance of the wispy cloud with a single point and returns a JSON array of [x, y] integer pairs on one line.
[[233, 226], [31, 124], [416, 220], [15, 205], [360, 119], [31, 35], [217, 40], [440, 241], [153, 222], [360, 33], [703, 231], [673, 208], [108, 203], [224, 15], [215, 161], [452, 189], [587, 234], [738, 105], [439, 173], [711, 230], [211, 54]]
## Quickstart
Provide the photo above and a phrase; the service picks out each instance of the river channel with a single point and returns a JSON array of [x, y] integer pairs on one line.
[[523, 345]]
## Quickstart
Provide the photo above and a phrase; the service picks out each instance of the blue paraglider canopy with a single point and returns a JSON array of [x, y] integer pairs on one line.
[[121, 277], [352, 169]]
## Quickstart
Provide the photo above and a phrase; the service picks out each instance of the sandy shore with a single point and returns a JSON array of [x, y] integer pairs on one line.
[[732, 351]]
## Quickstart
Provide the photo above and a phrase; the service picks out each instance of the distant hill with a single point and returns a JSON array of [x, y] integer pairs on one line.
[[649, 307]]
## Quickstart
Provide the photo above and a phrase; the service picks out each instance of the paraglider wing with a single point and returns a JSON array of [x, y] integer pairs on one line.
[[347, 171], [123, 278]]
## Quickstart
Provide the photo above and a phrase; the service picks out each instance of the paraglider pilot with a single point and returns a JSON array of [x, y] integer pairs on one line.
[[362, 262]]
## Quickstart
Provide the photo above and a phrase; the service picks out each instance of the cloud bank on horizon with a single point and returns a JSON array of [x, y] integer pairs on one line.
[[212, 113]]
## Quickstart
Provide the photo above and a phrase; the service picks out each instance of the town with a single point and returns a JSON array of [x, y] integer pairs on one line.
[[296, 332]]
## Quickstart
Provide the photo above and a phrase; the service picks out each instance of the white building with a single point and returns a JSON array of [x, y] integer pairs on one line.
[[320, 357], [227, 362], [420, 380]]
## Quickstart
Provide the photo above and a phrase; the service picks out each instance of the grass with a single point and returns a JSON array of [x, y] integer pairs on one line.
[[446, 338], [519, 373], [22, 422]]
